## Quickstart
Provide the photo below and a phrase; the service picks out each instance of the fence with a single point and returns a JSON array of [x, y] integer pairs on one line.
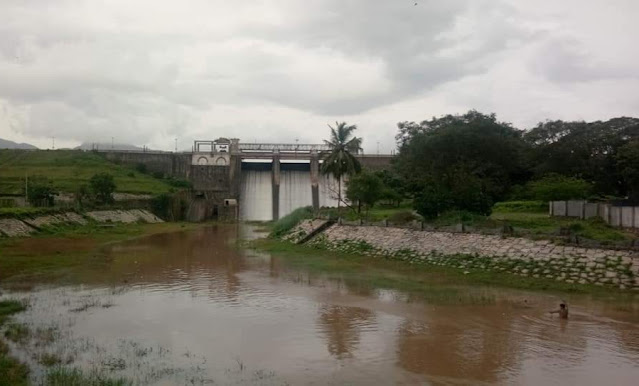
[[618, 216]]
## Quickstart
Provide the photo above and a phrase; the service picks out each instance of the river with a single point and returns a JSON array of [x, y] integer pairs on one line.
[[192, 307]]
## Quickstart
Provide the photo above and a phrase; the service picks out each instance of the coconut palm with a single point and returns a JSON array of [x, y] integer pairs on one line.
[[340, 160]]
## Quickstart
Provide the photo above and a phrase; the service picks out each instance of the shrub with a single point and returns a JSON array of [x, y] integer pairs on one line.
[[40, 191], [141, 168], [158, 175], [521, 207], [403, 217], [288, 222], [103, 186]]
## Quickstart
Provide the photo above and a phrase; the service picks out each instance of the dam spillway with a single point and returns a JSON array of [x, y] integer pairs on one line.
[[294, 190]]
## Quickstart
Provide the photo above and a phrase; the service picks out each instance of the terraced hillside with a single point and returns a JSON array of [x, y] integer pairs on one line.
[[67, 169]]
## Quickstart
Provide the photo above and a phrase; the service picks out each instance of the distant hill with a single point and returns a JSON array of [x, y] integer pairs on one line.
[[6, 144], [106, 146]]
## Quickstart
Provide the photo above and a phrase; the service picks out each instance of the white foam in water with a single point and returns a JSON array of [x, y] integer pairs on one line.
[[256, 202]]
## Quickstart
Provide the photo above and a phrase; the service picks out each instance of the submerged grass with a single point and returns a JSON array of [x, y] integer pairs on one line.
[[64, 376], [12, 372]]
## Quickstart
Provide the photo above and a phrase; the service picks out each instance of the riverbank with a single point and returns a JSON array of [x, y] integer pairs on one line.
[[514, 261]]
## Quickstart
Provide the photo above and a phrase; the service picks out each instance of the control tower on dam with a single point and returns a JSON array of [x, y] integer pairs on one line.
[[257, 181]]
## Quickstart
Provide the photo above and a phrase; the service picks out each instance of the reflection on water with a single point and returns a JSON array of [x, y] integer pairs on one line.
[[191, 307]]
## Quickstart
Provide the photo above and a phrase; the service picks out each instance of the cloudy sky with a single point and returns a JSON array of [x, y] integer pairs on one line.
[[146, 72]]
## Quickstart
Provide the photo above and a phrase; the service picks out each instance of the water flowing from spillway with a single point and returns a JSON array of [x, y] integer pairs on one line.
[[295, 191], [256, 199]]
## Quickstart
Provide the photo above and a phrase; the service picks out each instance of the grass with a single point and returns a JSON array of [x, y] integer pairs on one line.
[[63, 376], [68, 169], [12, 372], [28, 212], [435, 284], [286, 223], [57, 251]]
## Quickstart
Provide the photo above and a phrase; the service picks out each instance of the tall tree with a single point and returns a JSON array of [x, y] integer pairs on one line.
[[340, 160], [469, 161]]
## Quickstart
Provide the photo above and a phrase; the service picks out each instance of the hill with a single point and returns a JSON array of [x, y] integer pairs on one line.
[[6, 144], [67, 169], [106, 146]]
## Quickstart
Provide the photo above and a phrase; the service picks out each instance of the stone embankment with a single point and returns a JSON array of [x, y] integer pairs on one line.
[[469, 251], [10, 227]]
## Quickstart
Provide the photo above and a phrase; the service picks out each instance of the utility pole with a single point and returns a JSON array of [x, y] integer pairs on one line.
[[111, 143], [52, 143], [176, 145], [377, 147], [26, 187]]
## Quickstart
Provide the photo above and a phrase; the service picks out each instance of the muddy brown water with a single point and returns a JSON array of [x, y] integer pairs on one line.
[[192, 308]]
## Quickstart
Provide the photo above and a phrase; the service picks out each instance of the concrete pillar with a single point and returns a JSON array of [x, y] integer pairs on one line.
[[315, 180], [275, 184]]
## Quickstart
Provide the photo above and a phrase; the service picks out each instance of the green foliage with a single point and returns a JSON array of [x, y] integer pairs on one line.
[[340, 160], [288, 222], [459, 162], [586, 150], [365, 188], [40, 191], [628, 166], [557, 187], [521, 207], [403, 217], [177, 183], [81, 193], [103, 186], [141, 168], [161, 205]]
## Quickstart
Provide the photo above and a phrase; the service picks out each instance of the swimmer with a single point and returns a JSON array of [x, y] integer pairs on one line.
[[562, 311]]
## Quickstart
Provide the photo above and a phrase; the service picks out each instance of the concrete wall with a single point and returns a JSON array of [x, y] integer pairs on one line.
[[176, 165], [618, 216]]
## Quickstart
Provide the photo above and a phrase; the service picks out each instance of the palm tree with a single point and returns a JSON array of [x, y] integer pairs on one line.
[[340, 161]]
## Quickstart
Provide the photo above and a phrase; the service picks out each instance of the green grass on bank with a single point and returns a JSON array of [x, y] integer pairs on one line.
[[12, 372], [68, 169]]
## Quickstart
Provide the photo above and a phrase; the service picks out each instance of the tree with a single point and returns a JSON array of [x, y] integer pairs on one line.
[[628, 166], [340, 160], [365, 188], [102, 186], [464, 161], [584, 150], [40, 191]]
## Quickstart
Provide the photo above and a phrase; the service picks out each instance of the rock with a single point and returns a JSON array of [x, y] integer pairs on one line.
[[14, 228]]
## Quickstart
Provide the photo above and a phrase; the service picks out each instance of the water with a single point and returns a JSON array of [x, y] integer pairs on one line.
[[191, 307], [256, 203]]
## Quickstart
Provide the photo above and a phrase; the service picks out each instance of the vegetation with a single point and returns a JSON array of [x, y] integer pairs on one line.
[[64, 376], [40, 191], [286, 223], [340, 160], [12, 372], [67, 170], [102, 186], [556, 187], [365, 189]]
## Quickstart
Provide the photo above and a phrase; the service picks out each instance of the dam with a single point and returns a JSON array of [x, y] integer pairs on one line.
[[252, 181]]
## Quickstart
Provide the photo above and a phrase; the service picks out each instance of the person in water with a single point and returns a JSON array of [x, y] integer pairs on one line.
[[562, 311]]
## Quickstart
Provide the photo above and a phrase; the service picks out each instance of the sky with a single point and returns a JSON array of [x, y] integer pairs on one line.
[[148, 72]]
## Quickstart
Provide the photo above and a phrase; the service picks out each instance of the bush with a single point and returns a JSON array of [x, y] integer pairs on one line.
[[288, 222], [403, 217], [521, 207], [158, 175], [40, 191], [141, 168], [177, 183], [161, 205], [557, 187], [102, 186]]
